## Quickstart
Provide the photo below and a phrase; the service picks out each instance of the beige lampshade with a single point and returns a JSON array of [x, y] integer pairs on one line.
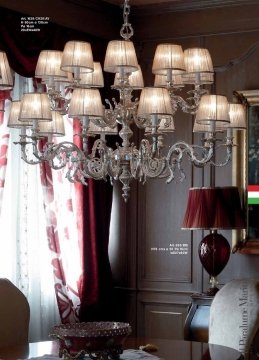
[[161, 80], [237, 115], [166, 125], [212, 108], [77, 54], [98, 130], [197, 60], [93, 79], [168, 57], [35, 106], [86, 102], [68, 79], [54, 127], [13, 120], [203, 128], [120, 56], [6, 78], [154, 101], [198, 78], [135, 79], [200, 128], [48, 65]]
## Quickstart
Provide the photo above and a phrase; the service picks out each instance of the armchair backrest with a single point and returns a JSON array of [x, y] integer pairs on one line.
[[14, 315], [234, 316]]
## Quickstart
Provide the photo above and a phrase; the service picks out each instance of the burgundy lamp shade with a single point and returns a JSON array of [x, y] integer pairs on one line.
[[212, 209]]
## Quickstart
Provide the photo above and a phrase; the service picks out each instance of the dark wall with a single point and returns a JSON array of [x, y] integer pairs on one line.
[[155, 284]]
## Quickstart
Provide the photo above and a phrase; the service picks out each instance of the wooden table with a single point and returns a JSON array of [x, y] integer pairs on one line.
[[167, 350]]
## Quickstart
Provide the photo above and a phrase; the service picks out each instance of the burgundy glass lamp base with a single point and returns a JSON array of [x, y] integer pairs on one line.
[[214, 252]]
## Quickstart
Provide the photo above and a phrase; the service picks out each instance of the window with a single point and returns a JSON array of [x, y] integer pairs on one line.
[[24, 254]]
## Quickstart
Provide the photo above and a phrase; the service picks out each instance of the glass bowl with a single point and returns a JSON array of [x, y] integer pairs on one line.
[[98, 339]]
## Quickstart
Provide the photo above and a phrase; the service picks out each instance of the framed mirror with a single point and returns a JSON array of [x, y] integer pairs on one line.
[[246, 173]]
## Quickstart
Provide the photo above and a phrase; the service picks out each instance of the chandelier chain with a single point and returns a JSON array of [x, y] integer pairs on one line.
[[126, 31]]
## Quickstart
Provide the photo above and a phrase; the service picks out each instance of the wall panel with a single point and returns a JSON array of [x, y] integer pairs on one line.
[[161, 315]]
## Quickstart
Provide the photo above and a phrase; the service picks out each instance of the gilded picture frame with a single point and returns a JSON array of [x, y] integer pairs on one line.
[[245, 173]]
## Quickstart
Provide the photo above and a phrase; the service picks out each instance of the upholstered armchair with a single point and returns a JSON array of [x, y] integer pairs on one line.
[[14, 315]]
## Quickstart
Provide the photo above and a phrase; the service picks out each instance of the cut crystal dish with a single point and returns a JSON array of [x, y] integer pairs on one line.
[[97, 340]]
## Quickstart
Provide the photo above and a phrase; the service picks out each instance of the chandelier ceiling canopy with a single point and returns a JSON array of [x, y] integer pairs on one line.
[[72, 80]]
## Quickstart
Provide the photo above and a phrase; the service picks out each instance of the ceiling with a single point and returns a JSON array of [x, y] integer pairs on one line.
[[181, 4], [142, 2]]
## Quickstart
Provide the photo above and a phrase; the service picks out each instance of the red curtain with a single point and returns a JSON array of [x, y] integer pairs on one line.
[[87, 295], [93, 203], [97, 284], [4, 141], [63, 242]]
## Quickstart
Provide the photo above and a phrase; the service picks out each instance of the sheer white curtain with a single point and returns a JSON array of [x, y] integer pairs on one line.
[[24, 254]]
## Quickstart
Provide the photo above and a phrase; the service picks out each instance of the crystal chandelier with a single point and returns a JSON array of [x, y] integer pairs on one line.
[[72, 79]]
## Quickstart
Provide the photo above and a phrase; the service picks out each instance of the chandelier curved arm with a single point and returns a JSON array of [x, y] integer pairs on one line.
[[151, 166], [176, 153], [95, 166], [59, 155], [80, 166], [38, 156], [190, 105], [99, 148], [228, 155], [74, 174], [181, 147], [25, 156]]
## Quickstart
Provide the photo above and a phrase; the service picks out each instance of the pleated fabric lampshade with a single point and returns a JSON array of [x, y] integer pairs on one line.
[[35, 106], [135, 79], [92, 79], [154, 101], [120, 56], [205, 78], [168, 57], [13, 120], [213, 109], [166, 125], [198, 60], [77, 55], [48, 65], [86, 102], [176, 80], [54, 127], [214, 208], [6, 77]]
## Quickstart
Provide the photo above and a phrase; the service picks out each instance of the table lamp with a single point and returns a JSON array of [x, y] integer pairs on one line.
[[214, 208]]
